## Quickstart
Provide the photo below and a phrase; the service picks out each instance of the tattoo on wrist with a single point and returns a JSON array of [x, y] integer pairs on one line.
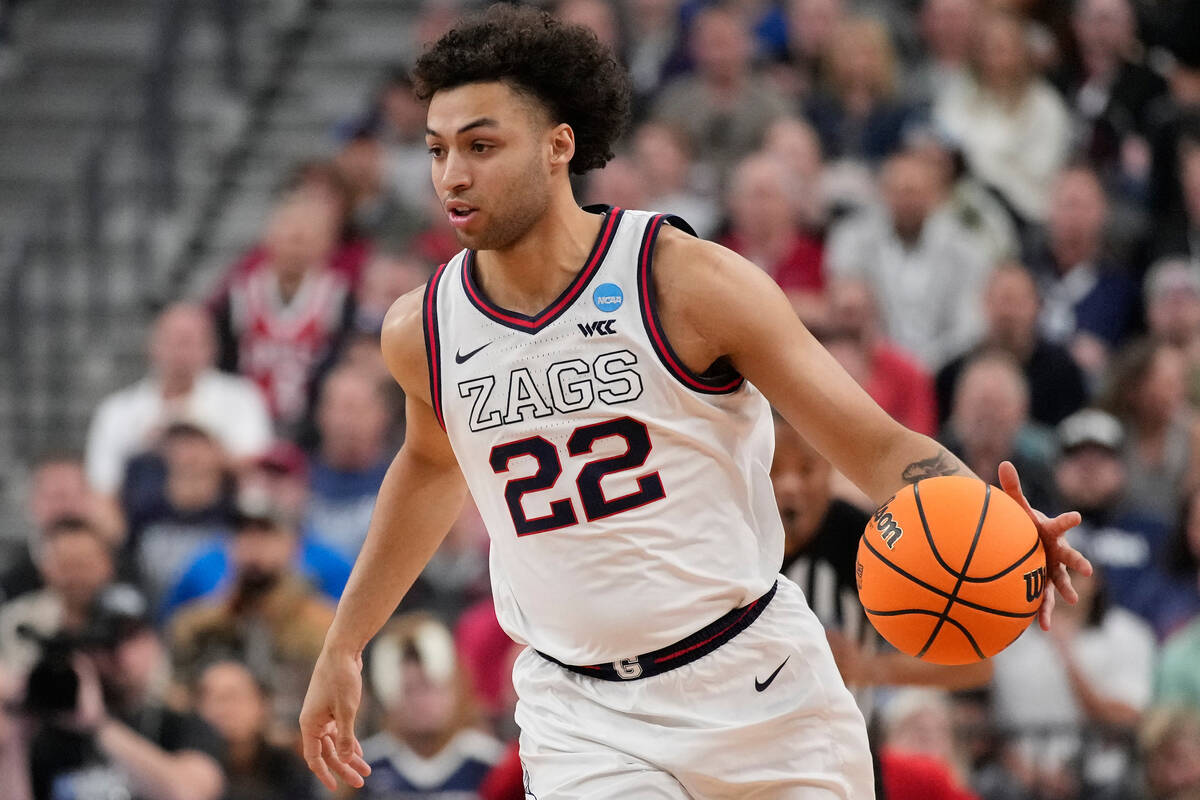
[[942, 463]]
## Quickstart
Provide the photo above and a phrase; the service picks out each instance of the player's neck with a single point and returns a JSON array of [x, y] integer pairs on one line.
[[533, 271]]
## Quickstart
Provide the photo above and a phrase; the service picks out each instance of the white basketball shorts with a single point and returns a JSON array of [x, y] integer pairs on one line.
[[766, 715]]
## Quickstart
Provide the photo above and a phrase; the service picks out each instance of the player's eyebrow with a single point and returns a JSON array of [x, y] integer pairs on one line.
[[482, 122]]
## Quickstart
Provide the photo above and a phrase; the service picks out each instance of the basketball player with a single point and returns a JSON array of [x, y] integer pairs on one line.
[[599, 381]]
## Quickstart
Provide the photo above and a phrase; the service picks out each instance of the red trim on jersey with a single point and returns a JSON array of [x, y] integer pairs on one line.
[[432, 343], [535, 323], [657, 338], [724, 630]]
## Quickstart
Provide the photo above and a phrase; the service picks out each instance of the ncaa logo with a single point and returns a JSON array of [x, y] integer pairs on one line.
[[608, 297]]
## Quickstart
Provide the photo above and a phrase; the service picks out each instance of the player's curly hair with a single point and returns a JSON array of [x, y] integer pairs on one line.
[[565, 67]]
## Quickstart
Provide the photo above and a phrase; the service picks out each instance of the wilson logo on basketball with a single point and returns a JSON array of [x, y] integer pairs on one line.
[[889, 530], [1035, 581]]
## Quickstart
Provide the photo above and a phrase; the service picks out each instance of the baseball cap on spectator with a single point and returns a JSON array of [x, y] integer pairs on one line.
[[118, 613], [257, 510], [1090, 427], [285, 458], [1169, 276]]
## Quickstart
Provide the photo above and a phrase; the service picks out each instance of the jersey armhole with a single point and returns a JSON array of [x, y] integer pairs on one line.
[[718, 379], [429, 322]]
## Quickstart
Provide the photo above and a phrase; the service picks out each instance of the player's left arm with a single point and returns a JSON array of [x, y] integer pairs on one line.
[[716, 305]]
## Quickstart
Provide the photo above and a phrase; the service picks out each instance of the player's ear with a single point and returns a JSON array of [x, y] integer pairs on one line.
[[562, 145]]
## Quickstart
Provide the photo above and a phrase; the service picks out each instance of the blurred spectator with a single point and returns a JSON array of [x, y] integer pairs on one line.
[[1172, 295], [178, 500], [182, 386], [231, 699], [121, 739], [487, 653], [795, 146], [1169, 741], [282, 475], [811, 28], [598, 16], [1177, 682], [456, 577], [1176, 595], [397, 118], [379, 211], [57, 489], [354, 453], [661, 155], [620, 184], [427, 746], [1147, 392], [76, 564], [989, 423], [654, 48], [1091, 478], [1179, 119], [322, 184], [918, 758], [901, 386], [269, 617], [1088, 304], [722, 108], [1014, 128], [278, 322], [1010, 307], [763, 228], [926, 269], [948, 32], [387, 276], [857, 110], [1179, 234], [976, 206], [1110, 89], [1094, 668], [14, 741]]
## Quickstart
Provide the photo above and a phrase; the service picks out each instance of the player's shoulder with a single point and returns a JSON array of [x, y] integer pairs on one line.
[[402, 340]]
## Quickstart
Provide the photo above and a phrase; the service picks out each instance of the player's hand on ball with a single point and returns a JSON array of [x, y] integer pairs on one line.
[[327, 721], [1060, 556]]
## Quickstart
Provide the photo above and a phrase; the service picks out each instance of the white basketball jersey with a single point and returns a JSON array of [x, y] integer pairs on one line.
[[628, 500]]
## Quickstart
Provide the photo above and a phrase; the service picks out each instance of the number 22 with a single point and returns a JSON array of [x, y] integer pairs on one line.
[[581, 442]]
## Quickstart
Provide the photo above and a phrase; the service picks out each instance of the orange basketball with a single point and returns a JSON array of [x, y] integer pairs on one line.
[[951, 570]]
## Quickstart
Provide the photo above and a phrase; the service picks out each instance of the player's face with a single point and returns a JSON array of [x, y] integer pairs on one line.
[[491, 149]]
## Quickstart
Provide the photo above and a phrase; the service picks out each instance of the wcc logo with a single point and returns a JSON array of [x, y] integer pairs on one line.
[[1035, 581], [889, 530], [603, 327]]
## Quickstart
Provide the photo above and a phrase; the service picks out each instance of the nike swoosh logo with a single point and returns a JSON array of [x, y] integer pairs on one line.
[[761, 686], [459, 358]]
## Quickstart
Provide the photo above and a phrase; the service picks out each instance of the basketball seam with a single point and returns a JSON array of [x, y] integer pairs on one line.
[[943, 593], [947, 567], [987, 498], [951, 620]]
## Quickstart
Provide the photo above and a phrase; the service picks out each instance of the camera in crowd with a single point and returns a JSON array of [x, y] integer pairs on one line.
[[119, 612]]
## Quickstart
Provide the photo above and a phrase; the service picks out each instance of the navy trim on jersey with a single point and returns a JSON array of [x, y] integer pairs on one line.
[[522, 322], [708, 384], [685, 651], [433, 343]]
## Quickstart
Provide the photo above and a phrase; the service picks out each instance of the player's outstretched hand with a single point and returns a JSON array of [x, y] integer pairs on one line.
[[327, 721], [1060, 556]]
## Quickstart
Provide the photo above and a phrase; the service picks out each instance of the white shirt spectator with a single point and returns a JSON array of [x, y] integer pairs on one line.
[[229, 406], [930, 293], [1018, 150]]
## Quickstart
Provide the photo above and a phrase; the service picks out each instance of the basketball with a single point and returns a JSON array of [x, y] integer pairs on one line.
[[950, 570]]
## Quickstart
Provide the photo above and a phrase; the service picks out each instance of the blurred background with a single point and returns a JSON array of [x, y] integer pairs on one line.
[[988, 210]]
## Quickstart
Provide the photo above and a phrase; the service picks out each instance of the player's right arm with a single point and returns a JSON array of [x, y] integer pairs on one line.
[[419, 499]]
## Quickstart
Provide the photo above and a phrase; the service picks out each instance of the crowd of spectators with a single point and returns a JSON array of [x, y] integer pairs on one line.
[[987, 210]]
